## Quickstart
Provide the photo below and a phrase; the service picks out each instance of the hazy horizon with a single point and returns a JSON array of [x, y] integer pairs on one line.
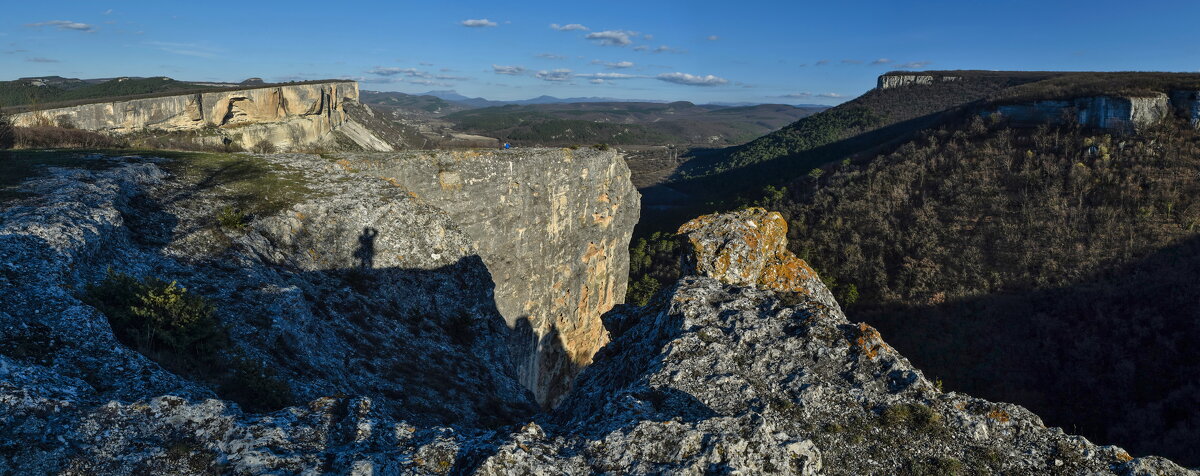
[[703, 52]]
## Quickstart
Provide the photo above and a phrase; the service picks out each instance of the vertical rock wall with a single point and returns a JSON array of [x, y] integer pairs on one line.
[[288, 116], [553, 227], [1117, 113]]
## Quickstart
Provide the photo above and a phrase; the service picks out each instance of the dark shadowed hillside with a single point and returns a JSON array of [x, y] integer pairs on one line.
[[1049, 266]]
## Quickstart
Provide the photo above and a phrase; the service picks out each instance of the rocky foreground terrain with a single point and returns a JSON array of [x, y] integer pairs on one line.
[[359, 334]]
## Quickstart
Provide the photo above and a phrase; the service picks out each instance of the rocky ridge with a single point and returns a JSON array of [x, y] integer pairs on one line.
[[762, 376], [288, 116]]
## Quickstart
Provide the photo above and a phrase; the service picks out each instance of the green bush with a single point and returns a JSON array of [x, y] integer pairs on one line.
[[231, 218], [180, 330], [159, 318]]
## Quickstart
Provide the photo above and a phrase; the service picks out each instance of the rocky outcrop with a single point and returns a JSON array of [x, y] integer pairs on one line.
[[888, 81], [373, 305], [288, 116], [351, 287], [1117, 113], [552, 225], [747, 248]]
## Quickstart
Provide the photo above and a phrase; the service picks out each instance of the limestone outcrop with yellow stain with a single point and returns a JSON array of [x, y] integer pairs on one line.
[[553, 227], [746, 248]]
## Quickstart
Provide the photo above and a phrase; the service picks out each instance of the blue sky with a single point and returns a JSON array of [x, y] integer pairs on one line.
[[699, 50]]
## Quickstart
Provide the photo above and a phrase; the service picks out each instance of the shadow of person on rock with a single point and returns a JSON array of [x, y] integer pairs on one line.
[[366, 248]]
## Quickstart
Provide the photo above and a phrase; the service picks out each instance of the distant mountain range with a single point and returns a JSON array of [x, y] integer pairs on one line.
[[451, 95]]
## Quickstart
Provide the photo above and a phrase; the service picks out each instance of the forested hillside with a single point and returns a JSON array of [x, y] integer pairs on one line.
[[627, 122], [1052, 267], [25, 92]]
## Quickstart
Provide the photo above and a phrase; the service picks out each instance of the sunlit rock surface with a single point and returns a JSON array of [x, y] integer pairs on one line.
[[552, 225], [287, 116], [358, 292]]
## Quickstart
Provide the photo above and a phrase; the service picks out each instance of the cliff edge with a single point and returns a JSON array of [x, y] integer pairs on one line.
[[374, 308], [288, 116]]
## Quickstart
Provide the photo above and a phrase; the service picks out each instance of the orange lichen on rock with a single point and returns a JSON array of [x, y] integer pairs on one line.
[[999, 415], [748, 248], [868, 342]]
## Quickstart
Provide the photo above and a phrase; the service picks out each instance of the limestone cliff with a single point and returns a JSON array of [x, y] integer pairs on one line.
[[553, 227], [1118, 113], [289, 116], [888, 81], [711, 377]]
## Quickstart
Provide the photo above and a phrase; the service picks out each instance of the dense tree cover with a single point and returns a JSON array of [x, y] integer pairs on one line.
[[897, 109], [1054, 268], [1072, 85], [6, 133], [626, 123], [13, 93], [653, 265]]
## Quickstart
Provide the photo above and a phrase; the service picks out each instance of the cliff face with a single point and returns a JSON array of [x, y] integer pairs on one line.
[[552, 225], [373, 305], [888, 81], [288, 116], [1124, 114]]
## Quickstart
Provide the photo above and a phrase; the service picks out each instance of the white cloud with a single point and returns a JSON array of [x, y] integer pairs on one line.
[[446, 77], [803, 95], [614, 65], [821, 62], [481, 23], [510, 70], [556, 75], [713, 38], [551, 56], [609, 76], [599, 81], [830, 95], [569, 27], [611, 37], [108, 12], [640, 48], [64, 25], [851, 61], [667, 49], [426, 82], [41, 60], [692, 80], [409, 72], [881, 61], [915, 65]]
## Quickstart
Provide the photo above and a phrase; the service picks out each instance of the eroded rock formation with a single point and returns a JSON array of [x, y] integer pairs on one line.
[[747, 248], [552, 225], [357, 291], [1118, 113], [288, 116], [887, 81]]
